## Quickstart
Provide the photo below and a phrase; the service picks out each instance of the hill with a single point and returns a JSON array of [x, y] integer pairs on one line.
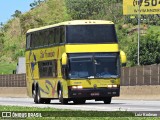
[[12, 34]]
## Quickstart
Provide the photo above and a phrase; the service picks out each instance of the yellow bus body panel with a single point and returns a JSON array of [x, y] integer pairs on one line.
[[90, 83], [92, 48]]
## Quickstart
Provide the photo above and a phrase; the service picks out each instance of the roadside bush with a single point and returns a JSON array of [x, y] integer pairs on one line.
[[149, 50]]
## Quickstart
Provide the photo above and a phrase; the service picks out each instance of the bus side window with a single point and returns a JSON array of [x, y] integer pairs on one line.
[[35, 39], [57, 35], [51, 36], [54, 69], [62, 34], [32, 40], [45, 37], [48, 68], [28, 41], [40, 39]]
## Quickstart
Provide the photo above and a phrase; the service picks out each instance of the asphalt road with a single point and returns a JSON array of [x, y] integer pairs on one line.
[[116, 105]]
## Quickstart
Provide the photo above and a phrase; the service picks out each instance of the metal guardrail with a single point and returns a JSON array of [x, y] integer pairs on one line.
[[140, 75], [13, 80]]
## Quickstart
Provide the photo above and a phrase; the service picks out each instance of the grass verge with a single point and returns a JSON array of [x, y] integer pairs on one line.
[[59, 114], [7, 68]]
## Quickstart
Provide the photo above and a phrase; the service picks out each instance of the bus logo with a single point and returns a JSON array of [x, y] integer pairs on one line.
[[95, 86]]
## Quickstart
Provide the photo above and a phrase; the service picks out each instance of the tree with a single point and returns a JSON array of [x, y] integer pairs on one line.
[[95, 9], [149, 50], [17, 13], [1, 24], [36, 3], [1, 40], [83, 9]]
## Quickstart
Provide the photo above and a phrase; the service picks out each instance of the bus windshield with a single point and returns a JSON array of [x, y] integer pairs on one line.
[[94, 66], [91, 34]]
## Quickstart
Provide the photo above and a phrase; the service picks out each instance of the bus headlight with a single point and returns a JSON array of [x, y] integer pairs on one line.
[[114, 85], [110, 86], [76, 87]]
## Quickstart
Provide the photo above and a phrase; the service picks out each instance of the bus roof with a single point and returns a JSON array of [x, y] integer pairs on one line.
[[74, 22]]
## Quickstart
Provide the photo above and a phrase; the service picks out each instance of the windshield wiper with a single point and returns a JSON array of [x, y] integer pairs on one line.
[[90, 77], [107, 76], [81, 77]]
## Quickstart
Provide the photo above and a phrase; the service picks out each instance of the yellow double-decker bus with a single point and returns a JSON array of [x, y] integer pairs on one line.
[[73, 61]]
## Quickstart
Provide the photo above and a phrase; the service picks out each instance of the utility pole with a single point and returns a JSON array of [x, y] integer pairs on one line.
[[139, 2]]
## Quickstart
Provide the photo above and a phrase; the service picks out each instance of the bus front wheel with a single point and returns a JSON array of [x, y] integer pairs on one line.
[[37, 97], [34, 96], [107, 100], [60, 96]]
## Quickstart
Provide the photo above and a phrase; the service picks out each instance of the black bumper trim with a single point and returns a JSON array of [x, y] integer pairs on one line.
[[94, 93]]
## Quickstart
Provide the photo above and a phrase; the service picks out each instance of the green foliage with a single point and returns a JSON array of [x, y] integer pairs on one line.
[[26, 22], [18, 52], [145, 19], [84, 9], [149, 50], [1, 38], [38, 18], [17, 14], [122, 34], [95, 9], [36, 3], [7, 68], [5, 27]]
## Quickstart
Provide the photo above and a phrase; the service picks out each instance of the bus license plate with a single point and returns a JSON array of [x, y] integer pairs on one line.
[[94, 94]]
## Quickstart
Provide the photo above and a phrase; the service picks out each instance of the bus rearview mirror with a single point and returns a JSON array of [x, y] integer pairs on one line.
[[123, 58], [64, 59]]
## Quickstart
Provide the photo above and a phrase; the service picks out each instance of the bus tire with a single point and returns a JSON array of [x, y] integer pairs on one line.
[[79, 101], [38, 97], [34, 96], [107, 100], [60, 96]]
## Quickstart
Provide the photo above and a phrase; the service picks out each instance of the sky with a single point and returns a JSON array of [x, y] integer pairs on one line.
[[8, 8]]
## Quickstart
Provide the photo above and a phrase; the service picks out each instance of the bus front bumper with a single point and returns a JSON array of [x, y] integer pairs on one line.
[[93, 93]]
